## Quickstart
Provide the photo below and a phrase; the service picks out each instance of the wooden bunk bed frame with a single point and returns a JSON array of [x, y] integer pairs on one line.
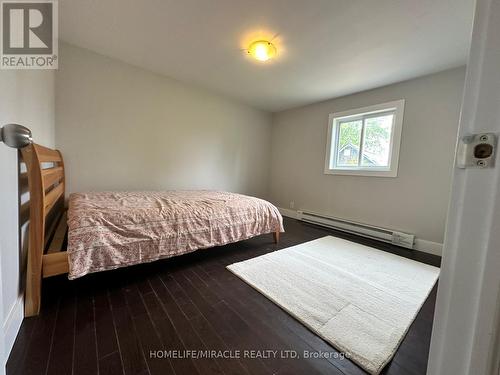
[[48, 225]]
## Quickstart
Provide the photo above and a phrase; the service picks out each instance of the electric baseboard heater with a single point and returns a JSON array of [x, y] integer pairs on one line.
[[382, 234]]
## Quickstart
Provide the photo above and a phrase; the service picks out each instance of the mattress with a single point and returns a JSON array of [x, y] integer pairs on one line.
[[108, 230]]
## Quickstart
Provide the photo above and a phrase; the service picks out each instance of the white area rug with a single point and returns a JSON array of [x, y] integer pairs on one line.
[[359, 299]]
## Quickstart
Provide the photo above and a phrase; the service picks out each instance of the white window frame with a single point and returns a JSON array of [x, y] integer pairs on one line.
[[333, 132]]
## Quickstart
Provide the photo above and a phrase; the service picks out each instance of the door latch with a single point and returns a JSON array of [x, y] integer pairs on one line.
[[477, 151]]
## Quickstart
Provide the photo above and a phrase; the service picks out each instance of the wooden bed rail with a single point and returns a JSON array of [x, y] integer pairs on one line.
[[46, 181]]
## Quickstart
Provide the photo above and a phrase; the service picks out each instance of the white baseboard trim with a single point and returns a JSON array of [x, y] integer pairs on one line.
[[430, 247], [11, 325], [425, 246], [288, 213]]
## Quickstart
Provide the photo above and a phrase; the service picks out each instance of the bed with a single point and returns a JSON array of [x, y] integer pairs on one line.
[[107, 230]]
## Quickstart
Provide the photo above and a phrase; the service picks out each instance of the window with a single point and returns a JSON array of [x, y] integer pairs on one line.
[[365, 141]]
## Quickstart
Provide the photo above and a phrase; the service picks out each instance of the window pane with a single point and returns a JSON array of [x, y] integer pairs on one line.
[[348, 143], [376, 141]]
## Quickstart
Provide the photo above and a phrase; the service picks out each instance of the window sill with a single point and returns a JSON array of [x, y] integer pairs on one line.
[[362, 172]]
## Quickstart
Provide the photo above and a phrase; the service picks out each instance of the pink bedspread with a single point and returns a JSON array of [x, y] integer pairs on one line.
[[109, 230]]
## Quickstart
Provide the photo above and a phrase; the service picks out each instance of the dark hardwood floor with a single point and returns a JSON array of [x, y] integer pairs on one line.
[[126, 321]]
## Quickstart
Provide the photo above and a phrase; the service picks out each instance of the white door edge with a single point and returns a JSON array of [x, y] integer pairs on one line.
[[466, 317]]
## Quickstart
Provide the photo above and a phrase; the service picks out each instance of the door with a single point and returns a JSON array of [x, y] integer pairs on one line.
[[467, 306]]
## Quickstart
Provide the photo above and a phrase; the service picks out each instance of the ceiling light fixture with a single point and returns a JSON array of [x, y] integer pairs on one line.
[[262, 50]]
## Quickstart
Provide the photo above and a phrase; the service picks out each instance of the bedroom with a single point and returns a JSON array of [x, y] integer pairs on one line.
[[272, 186]]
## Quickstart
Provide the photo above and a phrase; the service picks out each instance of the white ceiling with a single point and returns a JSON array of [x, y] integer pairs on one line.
[[326, 48]]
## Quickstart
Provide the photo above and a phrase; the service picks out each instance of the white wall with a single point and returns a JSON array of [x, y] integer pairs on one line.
[[120, 127], [416, 200], [27, 98]]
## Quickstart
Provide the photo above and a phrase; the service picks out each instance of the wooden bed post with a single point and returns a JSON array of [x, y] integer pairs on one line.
[[36, 232], [276, 236]]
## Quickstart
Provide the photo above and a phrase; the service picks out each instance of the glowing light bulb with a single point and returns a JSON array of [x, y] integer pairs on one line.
[[262, 50]]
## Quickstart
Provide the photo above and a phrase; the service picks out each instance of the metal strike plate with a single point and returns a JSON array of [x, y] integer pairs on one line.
[[477, 151]]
